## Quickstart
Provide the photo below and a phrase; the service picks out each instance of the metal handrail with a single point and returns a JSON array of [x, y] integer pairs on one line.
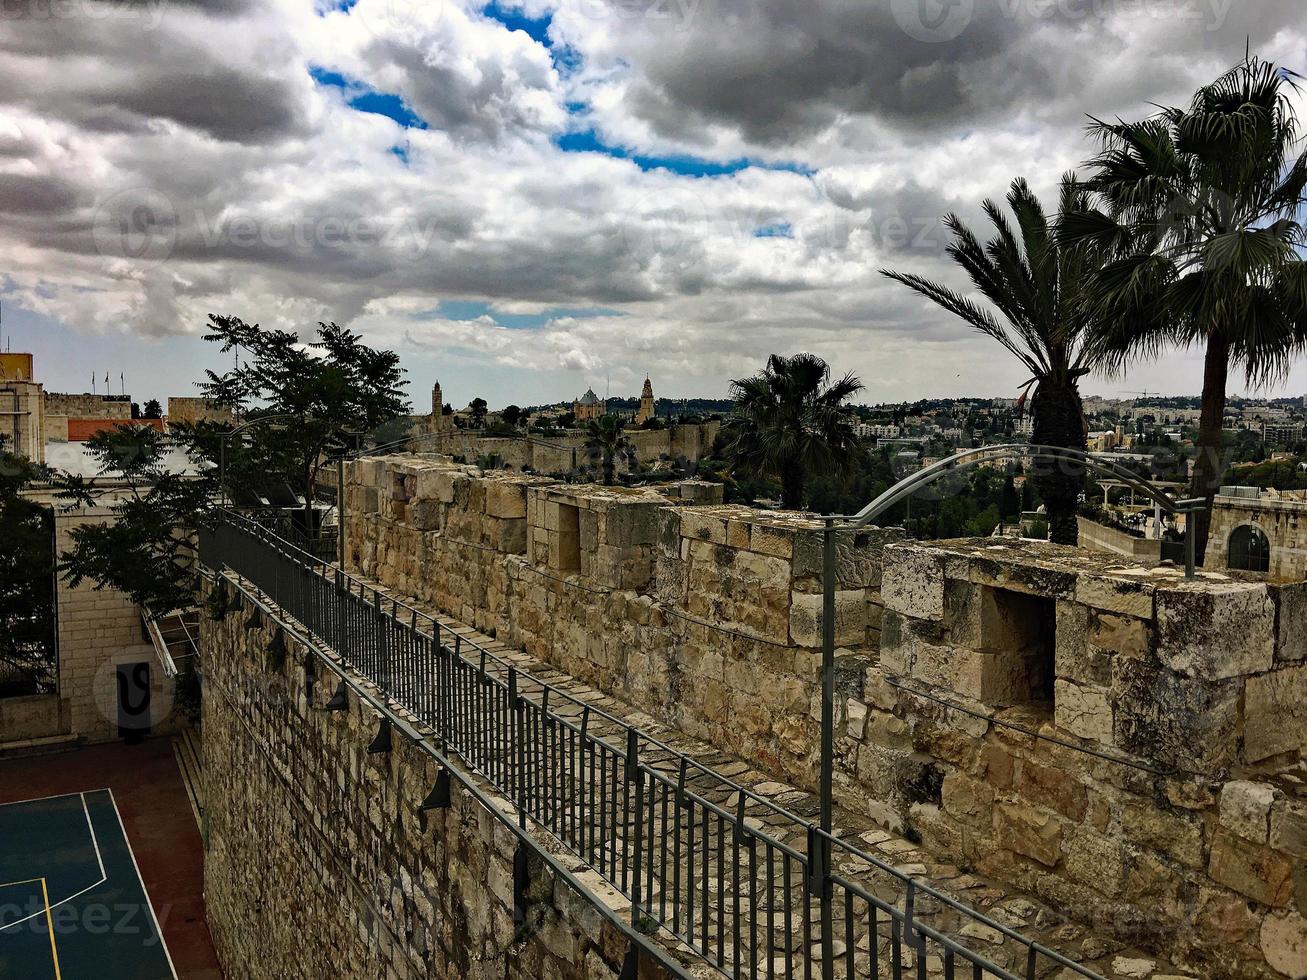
[[496, 727]]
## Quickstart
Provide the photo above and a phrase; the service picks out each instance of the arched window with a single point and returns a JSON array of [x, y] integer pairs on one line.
[[1249, 550]]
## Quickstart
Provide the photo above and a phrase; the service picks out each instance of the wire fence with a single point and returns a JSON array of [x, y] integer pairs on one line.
[[752, 888]]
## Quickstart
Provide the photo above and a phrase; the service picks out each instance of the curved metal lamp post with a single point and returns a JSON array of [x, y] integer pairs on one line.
[[222, 447], [902, 490]]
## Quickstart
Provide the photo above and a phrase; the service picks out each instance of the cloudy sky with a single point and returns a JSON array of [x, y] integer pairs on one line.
[[530, 197]]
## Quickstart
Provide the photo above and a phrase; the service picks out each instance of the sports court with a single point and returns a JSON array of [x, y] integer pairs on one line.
[[72, 902]]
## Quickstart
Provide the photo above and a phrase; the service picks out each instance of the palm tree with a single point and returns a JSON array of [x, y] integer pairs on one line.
[[1038, 288], [605, 439], [1200, 212], [791, 423]]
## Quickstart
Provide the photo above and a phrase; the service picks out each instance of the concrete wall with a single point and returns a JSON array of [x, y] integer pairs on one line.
[[320, 865], [99, 629]]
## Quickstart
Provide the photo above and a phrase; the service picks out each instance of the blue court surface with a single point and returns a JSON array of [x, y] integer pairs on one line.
[[72, 904]]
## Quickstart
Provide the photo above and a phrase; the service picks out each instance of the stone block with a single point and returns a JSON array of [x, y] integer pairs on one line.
[[436, 485], [505, 499], [1253, 870], [1029, 832], [806, 619], [768, 540], [1217, 631], [912, 582], [855, 713], [1290, 621], [1178, 721], [1283, 941], [1288, 827], [1096, 860], [737, 535], [1085, 712], [1275, 713], [1128, 598], [704, 527], [967, 800], [426, 514], [1152, 827], [1245, 809]]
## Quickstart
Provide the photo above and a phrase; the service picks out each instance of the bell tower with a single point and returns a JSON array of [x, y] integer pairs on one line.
[[646, 411]]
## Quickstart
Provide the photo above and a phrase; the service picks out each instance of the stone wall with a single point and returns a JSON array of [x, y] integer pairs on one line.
[[708, 617], [97, 631], [564, 452], [1123, 743], [87, 406], [192, 410], [1099, 537], [1279, 518], [320, 864], [22, 419]]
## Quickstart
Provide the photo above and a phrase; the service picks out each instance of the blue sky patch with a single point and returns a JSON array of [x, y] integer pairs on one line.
[[537, 28], [686, 165], [778, 229], [470, 309], [364, 99]]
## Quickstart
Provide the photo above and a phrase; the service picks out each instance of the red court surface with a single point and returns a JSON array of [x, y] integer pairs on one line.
[[160, 828]]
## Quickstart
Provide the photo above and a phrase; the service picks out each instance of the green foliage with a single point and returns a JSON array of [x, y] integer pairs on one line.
[[27, 599], [1201, 213], [604, 440], [331, 392], [478, 412], [512, 415], [149, 550], [152, 410], [791, 424], [1041, 290]]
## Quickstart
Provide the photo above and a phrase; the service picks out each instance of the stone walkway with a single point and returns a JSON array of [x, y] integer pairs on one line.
[[781, 920]]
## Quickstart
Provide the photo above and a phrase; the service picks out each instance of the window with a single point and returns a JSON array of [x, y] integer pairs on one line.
[[1249, 550]]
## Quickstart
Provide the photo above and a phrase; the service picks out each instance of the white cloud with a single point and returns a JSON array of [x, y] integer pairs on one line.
[[154, 172]]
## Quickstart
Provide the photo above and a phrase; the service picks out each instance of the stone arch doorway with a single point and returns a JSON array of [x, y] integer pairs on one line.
[[1248, 550]]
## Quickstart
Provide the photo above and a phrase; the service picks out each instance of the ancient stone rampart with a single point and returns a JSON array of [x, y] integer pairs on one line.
[[1091, 729], [706, 616], [1113, 738], [320, 863]]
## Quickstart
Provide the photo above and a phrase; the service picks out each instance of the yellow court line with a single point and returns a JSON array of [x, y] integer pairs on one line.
[[49, 921]]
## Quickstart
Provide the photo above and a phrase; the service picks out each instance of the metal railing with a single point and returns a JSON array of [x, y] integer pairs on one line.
[[737, 878]]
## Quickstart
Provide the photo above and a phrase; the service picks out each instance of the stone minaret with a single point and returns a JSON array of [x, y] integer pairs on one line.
[[437, 408], [646, 411]]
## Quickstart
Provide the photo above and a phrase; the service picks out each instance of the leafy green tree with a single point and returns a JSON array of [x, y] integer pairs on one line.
[[1038, 287], [332, 390], [152, 409], [163, 487], [1009, 504], [791, 422], [604, 440], [513, 415], [27, 567], [1201, 213], [148, 550], [478, 412]]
